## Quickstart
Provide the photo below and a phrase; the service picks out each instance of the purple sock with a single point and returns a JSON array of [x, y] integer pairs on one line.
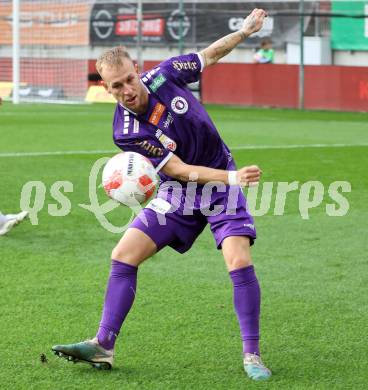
[[247, 302], [120, 294]]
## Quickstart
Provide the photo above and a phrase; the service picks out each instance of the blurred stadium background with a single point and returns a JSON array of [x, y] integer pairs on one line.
[[59, 41]]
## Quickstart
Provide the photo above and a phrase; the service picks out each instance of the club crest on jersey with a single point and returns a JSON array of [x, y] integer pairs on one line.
[[167, 142], [179, 105]]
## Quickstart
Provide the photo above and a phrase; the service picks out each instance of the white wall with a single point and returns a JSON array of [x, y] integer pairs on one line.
[[350, 58]]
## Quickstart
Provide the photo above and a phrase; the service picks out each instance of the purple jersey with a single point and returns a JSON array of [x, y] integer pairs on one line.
[[175, 121]]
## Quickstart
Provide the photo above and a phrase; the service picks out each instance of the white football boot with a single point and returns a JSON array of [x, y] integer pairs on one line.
[[7, 222]]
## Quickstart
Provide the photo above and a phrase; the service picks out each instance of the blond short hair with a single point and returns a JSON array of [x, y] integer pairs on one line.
[[112, 58]]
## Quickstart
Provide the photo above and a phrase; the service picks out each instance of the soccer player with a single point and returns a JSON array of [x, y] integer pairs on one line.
[[8, 221], [157, 116]]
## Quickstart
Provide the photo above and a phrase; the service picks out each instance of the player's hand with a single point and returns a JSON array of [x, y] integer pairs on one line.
[[248, 176], [254, 21]]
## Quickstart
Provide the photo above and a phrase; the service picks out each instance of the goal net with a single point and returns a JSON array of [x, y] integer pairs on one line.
[[53, 55]]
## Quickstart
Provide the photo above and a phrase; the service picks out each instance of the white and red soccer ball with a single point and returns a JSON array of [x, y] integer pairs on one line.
[[129, 178]]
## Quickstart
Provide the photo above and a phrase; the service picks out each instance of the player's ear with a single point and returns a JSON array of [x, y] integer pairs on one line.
[[104, 85], [136, 67]]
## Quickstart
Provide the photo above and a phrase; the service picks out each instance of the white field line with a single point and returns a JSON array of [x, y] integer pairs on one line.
[[239, 147], [57, 153], [304, 146]]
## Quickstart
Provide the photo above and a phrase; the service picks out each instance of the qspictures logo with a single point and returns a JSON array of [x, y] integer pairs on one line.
[[265, 199]]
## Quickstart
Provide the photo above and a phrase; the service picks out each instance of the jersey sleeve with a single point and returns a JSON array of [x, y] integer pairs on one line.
[[183, 69], [149, 148]]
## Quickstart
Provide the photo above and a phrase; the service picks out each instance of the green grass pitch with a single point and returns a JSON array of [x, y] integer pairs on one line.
[[182, 332]]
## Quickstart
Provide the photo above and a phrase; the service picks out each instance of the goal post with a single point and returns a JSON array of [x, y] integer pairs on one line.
[[45, 45], [16, 51]]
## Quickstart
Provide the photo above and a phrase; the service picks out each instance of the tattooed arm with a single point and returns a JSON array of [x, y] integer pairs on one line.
[[252, 23]]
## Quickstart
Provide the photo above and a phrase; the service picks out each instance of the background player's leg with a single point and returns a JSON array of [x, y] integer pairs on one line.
[[7, 222], [133, 248], [247, 297]]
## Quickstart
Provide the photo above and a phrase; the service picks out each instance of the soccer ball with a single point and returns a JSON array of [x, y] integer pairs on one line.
[[129, 178]]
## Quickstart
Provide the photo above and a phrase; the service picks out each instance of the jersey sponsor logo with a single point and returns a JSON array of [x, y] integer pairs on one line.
[[168, 120], [156, 114], [157, 82], [167, 142], [179, 105], [159, 205], [151, 150], [186, 65]]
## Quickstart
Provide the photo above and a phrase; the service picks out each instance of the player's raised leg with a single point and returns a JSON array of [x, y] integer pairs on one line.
[[133, 248], [247, 300]]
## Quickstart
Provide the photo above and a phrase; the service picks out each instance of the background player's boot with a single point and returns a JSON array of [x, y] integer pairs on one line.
[[11, 220], [254, 367], [89, 351]]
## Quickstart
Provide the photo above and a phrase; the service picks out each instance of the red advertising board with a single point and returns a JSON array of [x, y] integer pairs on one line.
[[342, 88], [153, 25]]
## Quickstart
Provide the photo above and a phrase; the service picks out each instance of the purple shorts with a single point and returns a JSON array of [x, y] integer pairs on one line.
[[177, 218]]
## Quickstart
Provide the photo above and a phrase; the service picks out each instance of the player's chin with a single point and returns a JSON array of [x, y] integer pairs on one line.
[[131, 103]]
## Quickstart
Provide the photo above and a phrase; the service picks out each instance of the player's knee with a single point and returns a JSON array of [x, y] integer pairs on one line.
[[237, 262], [118, 254], [127, 255]]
